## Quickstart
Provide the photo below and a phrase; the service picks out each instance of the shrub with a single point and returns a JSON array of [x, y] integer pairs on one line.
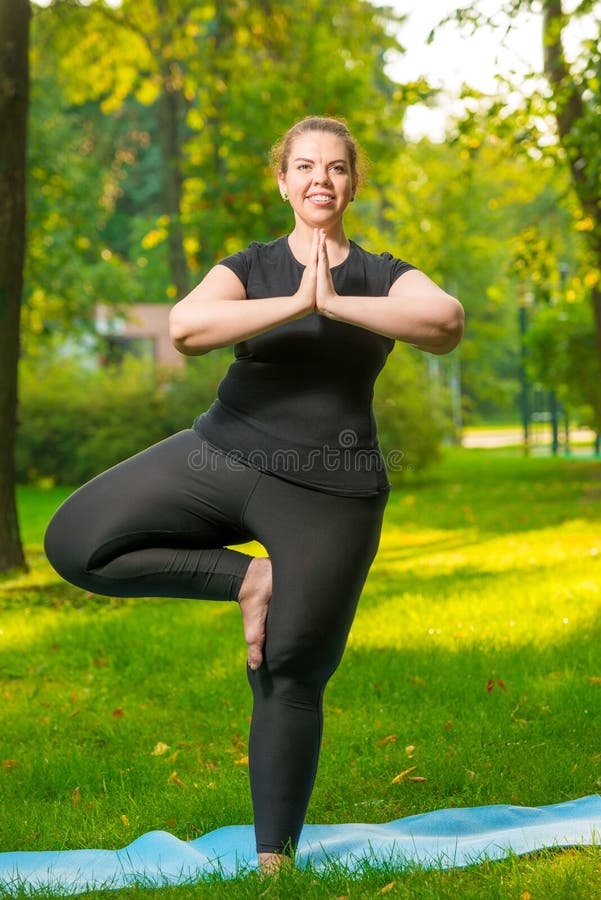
[[410, 412]]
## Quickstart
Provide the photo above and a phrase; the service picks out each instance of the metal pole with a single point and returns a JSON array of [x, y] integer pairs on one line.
[[554, 422], [524, 393]]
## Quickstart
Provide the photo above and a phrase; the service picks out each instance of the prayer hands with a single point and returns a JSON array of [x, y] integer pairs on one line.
[[317, 287]]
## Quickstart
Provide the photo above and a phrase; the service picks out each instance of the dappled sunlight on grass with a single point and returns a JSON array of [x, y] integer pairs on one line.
[[459, 586]]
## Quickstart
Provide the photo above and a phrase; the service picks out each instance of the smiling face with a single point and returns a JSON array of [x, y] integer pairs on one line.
[[318, 178]]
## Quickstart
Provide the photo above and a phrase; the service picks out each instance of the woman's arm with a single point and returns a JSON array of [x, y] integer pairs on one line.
[[216, 313], [415, 311]]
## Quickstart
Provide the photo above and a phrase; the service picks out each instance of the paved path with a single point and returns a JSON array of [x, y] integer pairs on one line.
[[508, 437]]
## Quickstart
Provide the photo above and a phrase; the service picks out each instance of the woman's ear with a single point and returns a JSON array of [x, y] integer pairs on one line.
[[282, 186]]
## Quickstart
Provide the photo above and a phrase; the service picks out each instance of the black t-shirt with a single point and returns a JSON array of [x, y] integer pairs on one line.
[[297, 400]]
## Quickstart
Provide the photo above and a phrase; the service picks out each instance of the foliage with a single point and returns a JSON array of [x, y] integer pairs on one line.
[[127, 59], [77, 421], [411, 410], [561, 351], [567, 131]]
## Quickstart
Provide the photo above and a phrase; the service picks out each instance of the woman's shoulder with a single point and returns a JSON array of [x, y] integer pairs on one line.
[[382, 261], [266, 249], [256, 253]]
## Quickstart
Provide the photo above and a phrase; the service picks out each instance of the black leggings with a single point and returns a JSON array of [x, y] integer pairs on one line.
[[159, 524]]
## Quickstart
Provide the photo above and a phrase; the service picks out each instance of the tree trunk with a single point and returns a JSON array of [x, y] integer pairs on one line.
[[14, 99], [171, 103], [570, 112], [169, 127]]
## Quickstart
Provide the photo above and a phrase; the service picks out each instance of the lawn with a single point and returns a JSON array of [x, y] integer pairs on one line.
[[473, 661]]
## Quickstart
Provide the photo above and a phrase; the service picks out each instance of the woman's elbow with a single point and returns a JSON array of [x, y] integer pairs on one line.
[[181, 334], [451, 327]]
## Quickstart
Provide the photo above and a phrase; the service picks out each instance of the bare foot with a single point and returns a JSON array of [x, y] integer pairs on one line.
[[253, 599], [270, 863]]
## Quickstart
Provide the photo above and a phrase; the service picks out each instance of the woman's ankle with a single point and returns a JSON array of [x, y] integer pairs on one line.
[[270, 863]]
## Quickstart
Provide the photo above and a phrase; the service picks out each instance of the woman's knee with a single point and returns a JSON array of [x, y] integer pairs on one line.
[[299, 669], [64, 545]]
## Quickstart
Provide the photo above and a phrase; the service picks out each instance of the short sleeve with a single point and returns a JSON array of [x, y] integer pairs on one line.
[[396, 267], [239, 263]]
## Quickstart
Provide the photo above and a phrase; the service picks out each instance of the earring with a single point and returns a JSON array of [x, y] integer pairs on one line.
[[284, 196]]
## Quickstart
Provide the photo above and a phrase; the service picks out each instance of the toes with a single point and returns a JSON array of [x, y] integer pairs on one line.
[[254, 660], [255, 651]]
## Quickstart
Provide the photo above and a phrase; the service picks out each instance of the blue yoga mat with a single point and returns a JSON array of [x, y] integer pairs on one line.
[[441, 839]]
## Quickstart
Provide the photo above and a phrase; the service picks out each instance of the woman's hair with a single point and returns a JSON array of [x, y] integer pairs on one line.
[[280, 152]]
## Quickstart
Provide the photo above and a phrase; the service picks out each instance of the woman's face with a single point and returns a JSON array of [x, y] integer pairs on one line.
[[318, 180]]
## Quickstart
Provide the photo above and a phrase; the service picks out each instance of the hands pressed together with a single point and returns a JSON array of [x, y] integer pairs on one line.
[[317, 288]]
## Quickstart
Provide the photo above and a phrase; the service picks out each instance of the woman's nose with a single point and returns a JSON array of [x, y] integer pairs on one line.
[[321, 176]]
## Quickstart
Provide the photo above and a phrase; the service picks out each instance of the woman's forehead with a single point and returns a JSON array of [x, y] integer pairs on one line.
[[318, 143]]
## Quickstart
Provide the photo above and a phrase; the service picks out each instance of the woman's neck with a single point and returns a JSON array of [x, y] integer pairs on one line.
[[301, 238]]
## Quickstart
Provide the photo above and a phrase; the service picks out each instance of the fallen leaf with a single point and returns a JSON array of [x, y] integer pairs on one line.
[[417, 778], [526, 896], [448, 726], [241, 761], [387, 888], [160, 748], [118, 713], [76, 796], [501, 684], [174, 779], [594, 679], [403, 775], [10, 764], [389, 739], [125, 821], [490, 685], [173, 757], [410, 750]]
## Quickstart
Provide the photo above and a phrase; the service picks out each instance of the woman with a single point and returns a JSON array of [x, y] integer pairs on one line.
[[287, 455]]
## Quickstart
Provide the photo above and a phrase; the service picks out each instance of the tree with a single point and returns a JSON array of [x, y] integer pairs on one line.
[[577, 104], [573, 104], [14, 98]]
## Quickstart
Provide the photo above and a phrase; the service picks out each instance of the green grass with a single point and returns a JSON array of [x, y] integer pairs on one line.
[[489, 571]]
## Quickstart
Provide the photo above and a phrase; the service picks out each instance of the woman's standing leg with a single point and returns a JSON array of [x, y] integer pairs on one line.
[[321, 547]]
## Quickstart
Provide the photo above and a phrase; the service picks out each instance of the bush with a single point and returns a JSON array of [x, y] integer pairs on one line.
[[410, 412], [76, 422]]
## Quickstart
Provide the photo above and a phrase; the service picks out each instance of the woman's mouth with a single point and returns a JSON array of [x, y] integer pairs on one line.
[[320, 199]]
